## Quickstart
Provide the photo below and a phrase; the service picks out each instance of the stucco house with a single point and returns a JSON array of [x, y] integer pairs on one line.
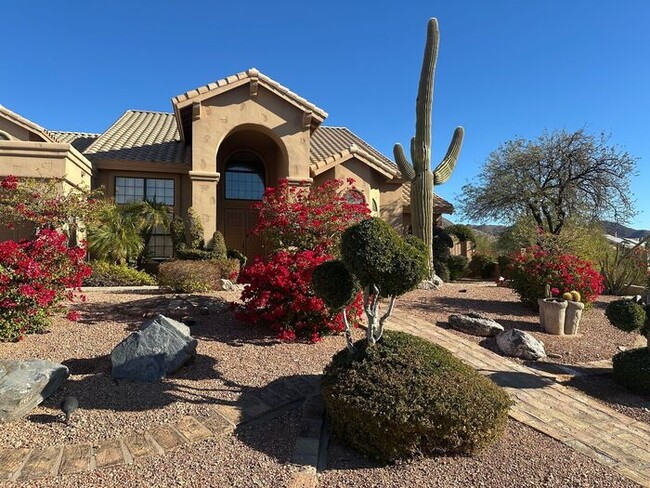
[[221, 145]]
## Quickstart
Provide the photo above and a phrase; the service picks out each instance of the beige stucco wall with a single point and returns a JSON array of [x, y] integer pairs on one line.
[[45, 160], [366, 178], [13, 130], [235, 110]]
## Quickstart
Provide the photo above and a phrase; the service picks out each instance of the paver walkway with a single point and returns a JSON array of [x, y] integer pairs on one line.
[[42, 462], [587, 426]]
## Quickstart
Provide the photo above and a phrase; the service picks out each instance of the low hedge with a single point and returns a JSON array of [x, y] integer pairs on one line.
[[190, 276], [406, 397], [108, 274], [632, 369]]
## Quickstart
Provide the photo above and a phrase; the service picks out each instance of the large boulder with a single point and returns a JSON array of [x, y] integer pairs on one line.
[[159, 348], [25, 384], [520, 344], [475, 324]]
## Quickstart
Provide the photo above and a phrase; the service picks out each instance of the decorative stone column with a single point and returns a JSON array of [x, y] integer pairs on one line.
[[204, 199]]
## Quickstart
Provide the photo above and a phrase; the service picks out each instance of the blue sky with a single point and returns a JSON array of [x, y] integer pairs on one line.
[[506, 68]]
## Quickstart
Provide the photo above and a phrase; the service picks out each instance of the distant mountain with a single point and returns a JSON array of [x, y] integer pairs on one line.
[[618, 230], [493, 230]]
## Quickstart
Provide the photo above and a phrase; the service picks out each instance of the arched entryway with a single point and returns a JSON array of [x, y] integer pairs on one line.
[[248, 160]]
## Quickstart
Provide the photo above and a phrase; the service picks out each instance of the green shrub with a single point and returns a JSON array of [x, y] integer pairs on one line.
[[457, 266], [334, 284], [632, 369], [406, 396], [505, 265], [442, 243], [376, 255], [177, 231], [188, 276], [109, 274], [441, 269], [481, 266], [626, 315], [195, 229], [462, 232], [219, 250], [187, 254]]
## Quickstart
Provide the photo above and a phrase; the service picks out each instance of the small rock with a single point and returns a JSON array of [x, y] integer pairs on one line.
[[621, 348], [553, 355], [224, 285], [475, 324], [520, 344]]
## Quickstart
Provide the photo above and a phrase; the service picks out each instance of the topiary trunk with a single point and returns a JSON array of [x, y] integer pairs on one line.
[[419, 174]]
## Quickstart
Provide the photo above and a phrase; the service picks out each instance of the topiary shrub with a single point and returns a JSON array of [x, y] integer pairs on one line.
[[109, 274], [405, 397], [481, 266], [457, 266], [219, 250], [195, 276], [442, 243], [632, 369], [626, 315]]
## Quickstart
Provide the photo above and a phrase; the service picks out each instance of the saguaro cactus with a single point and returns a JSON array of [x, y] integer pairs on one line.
[[419, 174]]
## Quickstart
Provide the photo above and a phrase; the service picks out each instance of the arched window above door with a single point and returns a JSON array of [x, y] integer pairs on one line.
[[244, 176]]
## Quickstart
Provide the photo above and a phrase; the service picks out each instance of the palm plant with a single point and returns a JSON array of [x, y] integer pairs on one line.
[[116, 235], [149, 216]]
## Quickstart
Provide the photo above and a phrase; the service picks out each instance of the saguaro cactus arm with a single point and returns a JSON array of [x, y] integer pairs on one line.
[[443, 171], [402, 163]]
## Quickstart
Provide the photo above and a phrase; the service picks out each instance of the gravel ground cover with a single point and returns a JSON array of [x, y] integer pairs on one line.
[[597, 339], [521, 458], [232, 360]]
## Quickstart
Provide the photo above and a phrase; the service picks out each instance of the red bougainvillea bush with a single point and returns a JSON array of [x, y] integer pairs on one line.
[[301, 227], [39, 274], [536, 267]]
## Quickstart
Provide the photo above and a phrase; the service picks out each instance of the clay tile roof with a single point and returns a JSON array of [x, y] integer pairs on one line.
[[141, 136], [331, 143], [27, 124], [440, 205], [79, 140], [251, 74]]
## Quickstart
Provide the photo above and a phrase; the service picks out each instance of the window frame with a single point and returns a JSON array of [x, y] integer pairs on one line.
[[144, 189], [258, 167]]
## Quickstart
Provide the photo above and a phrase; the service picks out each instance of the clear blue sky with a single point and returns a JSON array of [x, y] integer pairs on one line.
[[506, 68]]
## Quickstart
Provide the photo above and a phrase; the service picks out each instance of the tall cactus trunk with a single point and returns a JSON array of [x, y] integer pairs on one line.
[[419, 174], [422, 213]]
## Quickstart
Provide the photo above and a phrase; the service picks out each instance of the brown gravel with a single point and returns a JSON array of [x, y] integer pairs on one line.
[[521, 458], [597, 339], [234, 359]]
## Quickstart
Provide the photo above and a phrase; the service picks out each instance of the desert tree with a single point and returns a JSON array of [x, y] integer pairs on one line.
[[557, 177]]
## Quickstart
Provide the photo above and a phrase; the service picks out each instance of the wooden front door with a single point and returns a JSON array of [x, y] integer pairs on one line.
[[239, 221]]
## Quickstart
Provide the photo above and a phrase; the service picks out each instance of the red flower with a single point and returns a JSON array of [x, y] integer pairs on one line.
[[73, 315]]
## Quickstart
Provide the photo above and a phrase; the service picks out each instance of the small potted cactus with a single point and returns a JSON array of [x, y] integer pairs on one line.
[[573, 312], [631, 368]]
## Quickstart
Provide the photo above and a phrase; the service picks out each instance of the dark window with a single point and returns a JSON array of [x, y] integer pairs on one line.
[[244, 177], [155, 190], [355, 196]]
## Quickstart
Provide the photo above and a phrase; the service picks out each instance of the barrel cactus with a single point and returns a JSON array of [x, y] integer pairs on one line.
[[419, 173]]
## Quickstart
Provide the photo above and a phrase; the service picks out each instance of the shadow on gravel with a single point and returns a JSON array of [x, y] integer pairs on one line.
[[272, 415], [604, 388], [465, 303], [520, 380]]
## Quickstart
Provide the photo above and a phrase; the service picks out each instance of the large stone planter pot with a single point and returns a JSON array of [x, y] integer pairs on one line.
[[540, 301], [572, 317], [554, 313]]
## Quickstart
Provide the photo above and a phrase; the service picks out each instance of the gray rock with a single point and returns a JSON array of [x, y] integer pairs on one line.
[[520, 344], [433, 284], [25, 384], [475, 324], [160, 347]]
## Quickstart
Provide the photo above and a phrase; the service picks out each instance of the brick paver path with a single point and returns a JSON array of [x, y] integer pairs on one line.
[[589, 427], [42, 462]]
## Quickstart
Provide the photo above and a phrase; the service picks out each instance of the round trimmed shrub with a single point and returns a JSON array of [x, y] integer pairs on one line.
[[334, 284], [405, 397], [632, 369], [626, 315]]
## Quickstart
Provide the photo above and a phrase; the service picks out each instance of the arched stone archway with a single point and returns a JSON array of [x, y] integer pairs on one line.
[[248, 160]]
